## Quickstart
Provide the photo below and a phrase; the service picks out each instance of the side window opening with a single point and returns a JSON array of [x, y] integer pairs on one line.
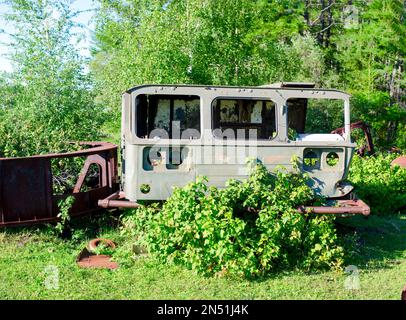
[[307, 117], [168, 116], [243, 119]]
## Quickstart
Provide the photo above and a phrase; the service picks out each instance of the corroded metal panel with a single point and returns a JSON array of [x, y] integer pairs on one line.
[[25, 186], [26, 194]]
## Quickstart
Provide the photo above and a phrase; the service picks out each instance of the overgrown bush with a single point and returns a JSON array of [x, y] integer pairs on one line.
[[249, 228], [383, 187]]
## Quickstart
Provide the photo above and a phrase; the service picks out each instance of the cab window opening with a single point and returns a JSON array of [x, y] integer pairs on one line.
[[314, 116], [243, 119], [167, 116]]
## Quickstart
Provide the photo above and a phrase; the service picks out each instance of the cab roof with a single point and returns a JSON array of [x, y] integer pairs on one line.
[[277, 85]]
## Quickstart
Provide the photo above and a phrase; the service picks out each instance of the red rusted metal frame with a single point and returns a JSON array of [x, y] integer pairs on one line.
[[26, 195], [116, 200], [355, 206], [399, 161], [369, 146], [88, 257]]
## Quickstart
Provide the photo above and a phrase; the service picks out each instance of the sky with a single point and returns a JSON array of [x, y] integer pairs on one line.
[[84, 18]]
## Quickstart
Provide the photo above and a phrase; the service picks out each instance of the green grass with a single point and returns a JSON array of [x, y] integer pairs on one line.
[[379, 252]]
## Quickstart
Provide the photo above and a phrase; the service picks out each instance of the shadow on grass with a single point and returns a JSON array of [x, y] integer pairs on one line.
[[374, 242]]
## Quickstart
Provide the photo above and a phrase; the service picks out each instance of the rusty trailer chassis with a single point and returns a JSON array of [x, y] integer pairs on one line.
[[26, 185]]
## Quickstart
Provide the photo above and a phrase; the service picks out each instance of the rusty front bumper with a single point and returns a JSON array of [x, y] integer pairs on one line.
[[355, 206]]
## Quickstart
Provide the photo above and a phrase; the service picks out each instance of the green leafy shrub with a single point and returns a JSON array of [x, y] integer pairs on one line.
[[377, 183], [63, 215], [387, 120], [249, 228]]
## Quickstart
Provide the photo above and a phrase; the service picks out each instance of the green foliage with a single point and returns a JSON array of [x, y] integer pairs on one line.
[[64, 214], [249, 228], [388, 121], [323, 116], [307, 60], [371, 53], [260, 42], [377, 183], [48, 99], [209, 42], [371, 58]]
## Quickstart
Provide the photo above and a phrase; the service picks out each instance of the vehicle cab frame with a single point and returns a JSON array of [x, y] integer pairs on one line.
[[158, 152]]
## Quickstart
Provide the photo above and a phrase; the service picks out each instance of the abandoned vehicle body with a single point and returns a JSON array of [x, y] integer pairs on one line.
[[172, 134]]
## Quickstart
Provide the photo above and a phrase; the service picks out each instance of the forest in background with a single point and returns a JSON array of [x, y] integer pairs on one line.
[[54, 95]]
